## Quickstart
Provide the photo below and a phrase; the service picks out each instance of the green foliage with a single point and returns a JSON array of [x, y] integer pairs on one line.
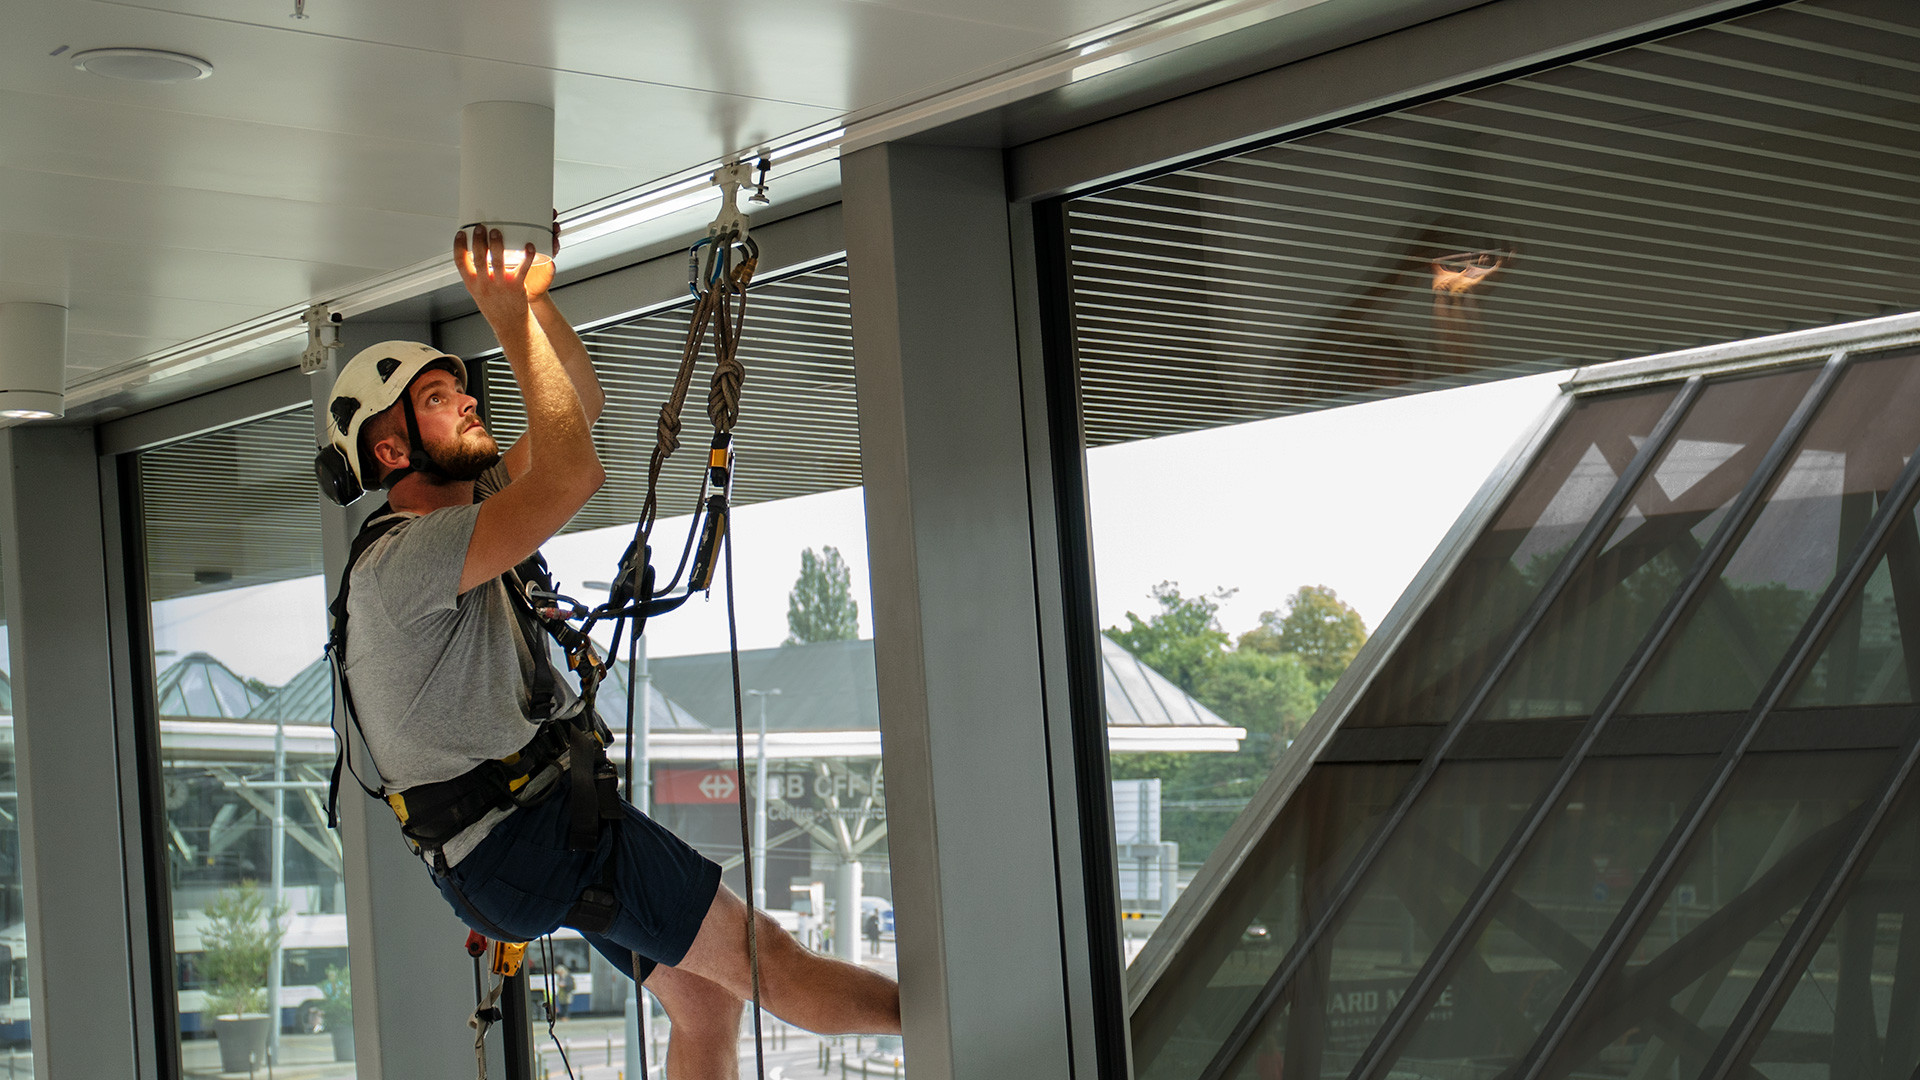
[[1181, 639], [821, 606], [1317, 626], [1269, 684], [336, 998], [243, 932]]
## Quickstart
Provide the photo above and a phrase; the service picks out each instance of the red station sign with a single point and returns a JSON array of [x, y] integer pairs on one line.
[[683, 786]]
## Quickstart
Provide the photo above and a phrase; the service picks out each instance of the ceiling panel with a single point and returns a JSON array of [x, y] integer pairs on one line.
[[1743, 179], [324, 152]]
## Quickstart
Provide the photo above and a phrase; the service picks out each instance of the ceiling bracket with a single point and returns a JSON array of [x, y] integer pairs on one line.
[[323, 336]]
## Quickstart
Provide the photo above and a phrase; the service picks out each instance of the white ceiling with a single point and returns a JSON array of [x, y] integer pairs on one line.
[[325, 152]]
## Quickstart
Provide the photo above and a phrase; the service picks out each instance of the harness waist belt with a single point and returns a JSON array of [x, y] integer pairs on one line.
[[431, 815]]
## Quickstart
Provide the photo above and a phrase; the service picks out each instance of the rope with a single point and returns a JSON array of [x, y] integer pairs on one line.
[[746, 833], [721, 309], [712, 311]]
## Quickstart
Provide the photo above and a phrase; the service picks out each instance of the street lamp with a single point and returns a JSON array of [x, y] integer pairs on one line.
[[760, 801]]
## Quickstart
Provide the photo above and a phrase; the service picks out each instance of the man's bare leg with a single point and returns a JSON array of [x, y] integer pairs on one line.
[[704, 1043], [820, 993]]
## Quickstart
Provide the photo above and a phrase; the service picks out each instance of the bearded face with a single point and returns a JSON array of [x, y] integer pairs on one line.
[[464, 455]]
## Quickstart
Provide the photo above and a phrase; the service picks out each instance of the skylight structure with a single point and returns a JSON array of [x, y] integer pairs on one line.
[[1623, 788]]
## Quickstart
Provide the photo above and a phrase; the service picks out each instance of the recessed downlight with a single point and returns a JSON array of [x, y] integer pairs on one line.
[[143, 65]]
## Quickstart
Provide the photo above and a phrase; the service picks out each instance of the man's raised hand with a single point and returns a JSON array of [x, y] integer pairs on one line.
[[499, 290]]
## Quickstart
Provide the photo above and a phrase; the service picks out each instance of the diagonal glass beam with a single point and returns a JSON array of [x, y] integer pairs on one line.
[[1642, 903], [1390, 1039], [1276, 986], [1769, 994]]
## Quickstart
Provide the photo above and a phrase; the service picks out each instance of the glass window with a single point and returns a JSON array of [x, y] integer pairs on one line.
[[1855, 1010], [1865, 660], [1606, 608], [1783, 819], [1361, 967], [1474, 615], [814, 787], [238, 624], [1812, 517], [15, 1009], [1214, 979], [1560, 901]]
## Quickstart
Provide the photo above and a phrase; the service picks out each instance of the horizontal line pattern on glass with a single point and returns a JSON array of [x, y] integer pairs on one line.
[[231, 508], [798, 434], [1743, 179]]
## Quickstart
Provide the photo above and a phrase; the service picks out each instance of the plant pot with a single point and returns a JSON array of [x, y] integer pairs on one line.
[[342, 1041], [243, 1041]]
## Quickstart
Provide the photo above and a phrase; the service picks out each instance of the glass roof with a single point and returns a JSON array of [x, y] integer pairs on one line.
[[1628, 797]]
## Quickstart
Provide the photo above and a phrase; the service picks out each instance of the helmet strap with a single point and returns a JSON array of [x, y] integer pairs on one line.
[[418, 460]]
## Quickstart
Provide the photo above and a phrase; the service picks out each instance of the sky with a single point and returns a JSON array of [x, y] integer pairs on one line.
[[1354, 498]]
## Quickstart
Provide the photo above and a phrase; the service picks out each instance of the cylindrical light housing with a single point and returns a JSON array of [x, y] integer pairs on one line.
[[506, 172], [33, 361]]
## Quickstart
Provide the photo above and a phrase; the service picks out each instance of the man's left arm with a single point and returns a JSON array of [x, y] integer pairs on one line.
[[572, 353]]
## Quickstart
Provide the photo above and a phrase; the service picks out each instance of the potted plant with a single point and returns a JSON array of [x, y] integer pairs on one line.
[[240, 941], [336, 1011]]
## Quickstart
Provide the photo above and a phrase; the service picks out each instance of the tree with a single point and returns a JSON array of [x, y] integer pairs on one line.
[[1271, 696], [1181, 639], [821, 606], [243, 930], [1318, 627]]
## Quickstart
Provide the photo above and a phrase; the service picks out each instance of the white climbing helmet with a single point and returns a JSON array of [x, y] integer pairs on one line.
[[372, 382]]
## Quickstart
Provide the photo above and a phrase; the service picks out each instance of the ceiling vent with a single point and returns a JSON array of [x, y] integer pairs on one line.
[[143, 65]]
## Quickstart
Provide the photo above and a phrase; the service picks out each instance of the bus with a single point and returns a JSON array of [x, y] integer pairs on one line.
[[313, 944]]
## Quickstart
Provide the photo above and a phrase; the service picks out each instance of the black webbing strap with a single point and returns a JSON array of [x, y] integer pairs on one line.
[[379, 524]]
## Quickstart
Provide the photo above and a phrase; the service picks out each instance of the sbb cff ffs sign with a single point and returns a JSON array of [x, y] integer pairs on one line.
[[684, 786]]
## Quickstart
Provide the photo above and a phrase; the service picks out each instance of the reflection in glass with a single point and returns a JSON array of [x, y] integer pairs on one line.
[[245, 703], [1854, 1013], [15, 1011], [1738, 890], [1451, 646], [1404, 904], [1561, 898], [1866, 658], [1611, 601], [1812, 517], [1229, 957]]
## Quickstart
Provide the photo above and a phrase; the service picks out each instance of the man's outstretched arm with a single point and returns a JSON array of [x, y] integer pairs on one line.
[[571, 351], [562, 470]]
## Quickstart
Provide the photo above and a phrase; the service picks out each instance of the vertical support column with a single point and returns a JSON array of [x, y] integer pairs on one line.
[[980, 849], [72, 850], [412, 984]]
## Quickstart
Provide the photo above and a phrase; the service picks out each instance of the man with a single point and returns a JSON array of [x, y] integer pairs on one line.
[[439, 670], [562, 992]]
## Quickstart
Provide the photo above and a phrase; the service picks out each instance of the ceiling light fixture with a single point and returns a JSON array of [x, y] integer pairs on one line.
[[506, 174], [33, 361], [143, 65]]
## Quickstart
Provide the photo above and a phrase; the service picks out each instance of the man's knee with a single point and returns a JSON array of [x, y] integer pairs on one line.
[[695, 1003]]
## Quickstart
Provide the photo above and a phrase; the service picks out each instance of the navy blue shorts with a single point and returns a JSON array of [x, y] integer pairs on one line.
[[523, 879]]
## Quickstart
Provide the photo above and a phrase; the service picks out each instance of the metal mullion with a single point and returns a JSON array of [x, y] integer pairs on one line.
[[1796, 948], [1389, 1040], [1639, 905], [1336, 899]]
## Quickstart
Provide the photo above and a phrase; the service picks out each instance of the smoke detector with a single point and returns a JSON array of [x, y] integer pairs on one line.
[[143, 65]]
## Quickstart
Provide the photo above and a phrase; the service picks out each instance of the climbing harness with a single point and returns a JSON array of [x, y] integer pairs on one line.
[[570, 746]]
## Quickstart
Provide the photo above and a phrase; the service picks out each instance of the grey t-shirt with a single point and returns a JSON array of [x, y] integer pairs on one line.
[[442, 680]]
